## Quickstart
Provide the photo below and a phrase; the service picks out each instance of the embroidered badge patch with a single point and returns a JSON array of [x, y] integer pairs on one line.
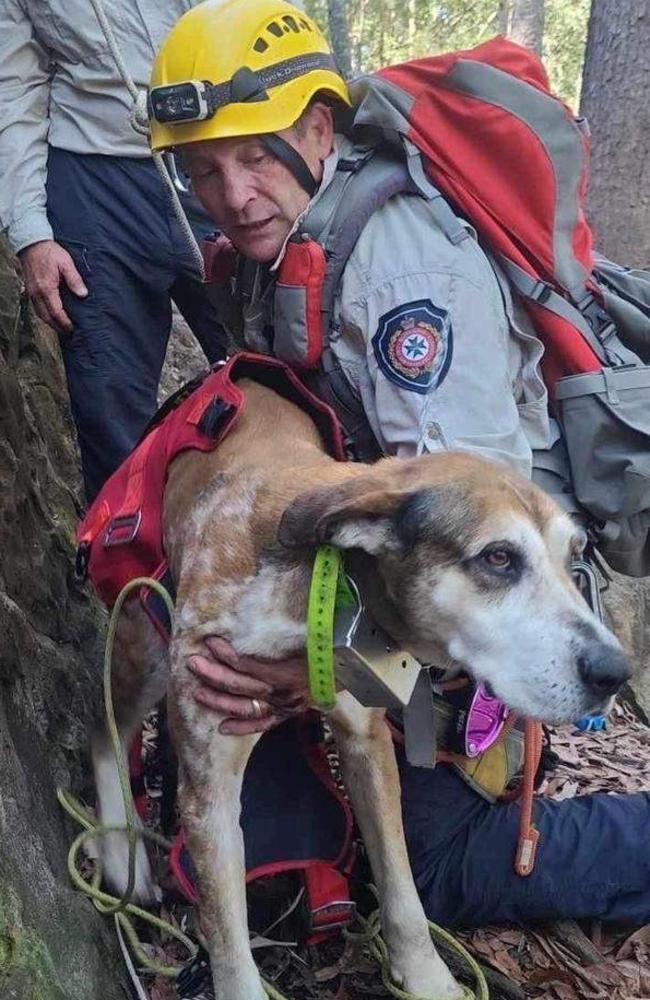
[[413, 345]]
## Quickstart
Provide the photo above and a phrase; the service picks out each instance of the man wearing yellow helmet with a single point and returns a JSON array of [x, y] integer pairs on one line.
[[423, 342], [253, 170]]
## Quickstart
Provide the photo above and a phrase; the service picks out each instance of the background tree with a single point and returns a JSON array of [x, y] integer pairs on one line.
[[615, 100], [525, 23], [340, 35], [381, 32]]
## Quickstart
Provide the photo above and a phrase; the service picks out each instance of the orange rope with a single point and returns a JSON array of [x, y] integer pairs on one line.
[[528, 835]]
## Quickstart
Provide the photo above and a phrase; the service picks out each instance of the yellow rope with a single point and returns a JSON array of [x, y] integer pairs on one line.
[[124, 909], [371, 937]]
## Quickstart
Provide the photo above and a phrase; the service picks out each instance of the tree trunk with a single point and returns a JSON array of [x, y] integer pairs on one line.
[[503, 17], [615, 101], [340, 36], [53, 944], [526, 23]]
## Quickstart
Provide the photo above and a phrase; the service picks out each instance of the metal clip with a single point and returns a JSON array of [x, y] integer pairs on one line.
[[122, 529], [587, 581]]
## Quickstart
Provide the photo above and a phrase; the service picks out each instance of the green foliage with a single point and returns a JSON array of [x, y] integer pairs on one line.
[[565, 38], [387, 31]]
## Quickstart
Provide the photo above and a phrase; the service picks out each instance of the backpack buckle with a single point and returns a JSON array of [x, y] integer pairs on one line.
[[122, 529], [599, 321], [540, 292]]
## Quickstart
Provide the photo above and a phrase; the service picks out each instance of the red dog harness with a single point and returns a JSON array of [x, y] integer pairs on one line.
[[121, 537]]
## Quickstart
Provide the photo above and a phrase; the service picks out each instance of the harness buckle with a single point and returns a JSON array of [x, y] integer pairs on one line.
[[122, 529], [332, 916]]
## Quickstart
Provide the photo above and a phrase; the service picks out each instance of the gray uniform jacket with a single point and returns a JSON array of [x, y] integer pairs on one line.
[[430, 341], [59, 85]]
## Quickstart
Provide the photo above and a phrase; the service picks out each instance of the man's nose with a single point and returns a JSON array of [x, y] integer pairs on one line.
[[236, 189], [603, 669]]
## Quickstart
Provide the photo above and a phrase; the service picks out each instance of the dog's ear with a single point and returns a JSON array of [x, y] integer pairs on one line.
[[360, 514], [354, 514]]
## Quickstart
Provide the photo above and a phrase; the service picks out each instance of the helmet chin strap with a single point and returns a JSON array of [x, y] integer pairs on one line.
[[292, 160]]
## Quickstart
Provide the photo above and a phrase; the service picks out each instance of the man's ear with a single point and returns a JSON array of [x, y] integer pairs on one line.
[[351, 515]]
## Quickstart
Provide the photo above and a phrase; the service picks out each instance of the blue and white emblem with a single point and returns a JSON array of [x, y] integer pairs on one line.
[[413, 345]]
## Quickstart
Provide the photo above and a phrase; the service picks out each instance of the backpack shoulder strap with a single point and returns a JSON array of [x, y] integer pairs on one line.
[[365, 179]]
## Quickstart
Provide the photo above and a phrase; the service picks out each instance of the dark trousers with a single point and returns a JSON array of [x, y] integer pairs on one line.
[[114, 217], [593, 858]]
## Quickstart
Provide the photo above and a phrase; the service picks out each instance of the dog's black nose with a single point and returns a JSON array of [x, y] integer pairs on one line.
[[603, 669]]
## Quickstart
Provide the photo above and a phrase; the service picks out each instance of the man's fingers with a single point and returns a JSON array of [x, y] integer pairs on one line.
[[238, 727], [290, 706], [285, 674], [224, 678], [50, 308], [231, 705], [73, 279], [222, 650]]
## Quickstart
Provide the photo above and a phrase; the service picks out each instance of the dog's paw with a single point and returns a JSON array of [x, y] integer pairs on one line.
[[114, 855], [426, 976]]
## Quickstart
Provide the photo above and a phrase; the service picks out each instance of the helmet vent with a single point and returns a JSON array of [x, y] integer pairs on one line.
[[291, 23], [275, 29], [261, 45]]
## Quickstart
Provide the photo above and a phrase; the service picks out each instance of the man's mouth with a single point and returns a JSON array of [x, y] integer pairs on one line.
[[253, 228]]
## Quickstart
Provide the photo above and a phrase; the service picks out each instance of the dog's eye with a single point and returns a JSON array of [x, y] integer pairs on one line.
[[500, 558]]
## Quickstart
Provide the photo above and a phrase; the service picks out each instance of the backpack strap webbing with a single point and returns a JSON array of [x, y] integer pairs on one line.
[[364, 181], [536, 290]]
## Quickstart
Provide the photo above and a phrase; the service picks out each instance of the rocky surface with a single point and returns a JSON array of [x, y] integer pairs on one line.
[[53, 946]]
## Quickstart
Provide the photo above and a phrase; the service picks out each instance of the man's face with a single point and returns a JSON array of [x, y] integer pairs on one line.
[[252, 197]]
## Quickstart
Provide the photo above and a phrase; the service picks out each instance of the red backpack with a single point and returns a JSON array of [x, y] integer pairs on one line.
[[479, 134]]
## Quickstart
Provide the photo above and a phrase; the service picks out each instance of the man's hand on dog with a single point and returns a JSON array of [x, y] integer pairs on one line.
[[254, 695]]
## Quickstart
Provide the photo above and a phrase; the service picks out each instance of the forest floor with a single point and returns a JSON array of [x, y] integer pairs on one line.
[[558, 962]]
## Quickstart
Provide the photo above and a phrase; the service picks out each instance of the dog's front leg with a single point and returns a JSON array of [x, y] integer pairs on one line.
[[371, 778], [211, 769]]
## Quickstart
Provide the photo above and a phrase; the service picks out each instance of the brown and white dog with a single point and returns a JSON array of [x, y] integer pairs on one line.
[[462, 562]]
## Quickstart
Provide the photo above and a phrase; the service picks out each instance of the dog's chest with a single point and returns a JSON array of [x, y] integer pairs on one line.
[[262, 615]]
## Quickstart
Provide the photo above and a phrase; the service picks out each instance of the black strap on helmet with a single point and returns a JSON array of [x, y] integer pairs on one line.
[[292, 160]]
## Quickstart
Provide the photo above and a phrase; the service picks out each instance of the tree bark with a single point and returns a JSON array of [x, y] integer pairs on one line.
[[526, 23], [503, 17], [53, 944], [340, 36], [615, 101]]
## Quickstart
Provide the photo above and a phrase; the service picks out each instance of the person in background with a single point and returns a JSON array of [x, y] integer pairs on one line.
[[102, 252]]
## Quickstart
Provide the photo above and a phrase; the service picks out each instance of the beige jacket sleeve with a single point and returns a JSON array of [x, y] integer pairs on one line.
[[423, 336], [24, 123]]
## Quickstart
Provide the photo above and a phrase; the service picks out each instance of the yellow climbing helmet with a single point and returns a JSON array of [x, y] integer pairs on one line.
[[235, 68]]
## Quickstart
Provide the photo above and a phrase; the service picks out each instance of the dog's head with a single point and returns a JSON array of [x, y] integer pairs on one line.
[[475, 563]]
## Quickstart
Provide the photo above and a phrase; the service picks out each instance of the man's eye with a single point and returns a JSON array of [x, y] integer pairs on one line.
[[256, 160]]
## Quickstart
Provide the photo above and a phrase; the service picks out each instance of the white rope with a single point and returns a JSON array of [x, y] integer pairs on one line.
[[140, 122]]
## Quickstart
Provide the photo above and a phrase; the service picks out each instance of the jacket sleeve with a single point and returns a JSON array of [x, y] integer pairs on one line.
[[24, 122], [428, 347]]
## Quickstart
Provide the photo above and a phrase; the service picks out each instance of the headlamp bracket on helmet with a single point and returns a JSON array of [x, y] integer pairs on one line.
[[181, 102]]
